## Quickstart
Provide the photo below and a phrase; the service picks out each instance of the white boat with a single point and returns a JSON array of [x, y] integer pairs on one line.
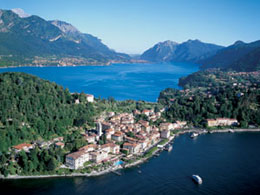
[[193, 135], [197, 179], [168, 147]]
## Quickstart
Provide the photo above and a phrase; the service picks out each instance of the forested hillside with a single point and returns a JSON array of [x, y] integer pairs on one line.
[[214, 94], [32, 108]]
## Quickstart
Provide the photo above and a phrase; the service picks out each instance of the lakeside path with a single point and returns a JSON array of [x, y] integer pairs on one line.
[[111, 169]]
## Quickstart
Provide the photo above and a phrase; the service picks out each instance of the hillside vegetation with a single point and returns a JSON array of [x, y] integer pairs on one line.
[[32, 108]]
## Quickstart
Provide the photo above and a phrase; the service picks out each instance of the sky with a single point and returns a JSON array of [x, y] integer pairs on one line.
[[132, 26]]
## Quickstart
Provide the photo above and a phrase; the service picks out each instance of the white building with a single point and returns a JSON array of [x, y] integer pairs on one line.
[[166, 126], [165, 134], [90, 98], [77, 159], [117, 136], [99, 156]]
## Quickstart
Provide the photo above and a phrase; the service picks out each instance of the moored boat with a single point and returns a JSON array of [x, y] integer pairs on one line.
[[193, 135], [197, 179], [168, 147]]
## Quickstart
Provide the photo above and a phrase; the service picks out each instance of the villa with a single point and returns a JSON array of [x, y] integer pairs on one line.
[[59, 144], [132, 148], [221, 122], [77, 159], [166, 126], [24, 146], [98, 156], [90, 98]]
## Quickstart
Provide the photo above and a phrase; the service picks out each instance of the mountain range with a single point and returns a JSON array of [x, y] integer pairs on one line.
[[239, 57], [189, 51], [31, 40]]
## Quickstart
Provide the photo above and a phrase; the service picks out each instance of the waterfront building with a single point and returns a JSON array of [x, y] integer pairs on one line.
[[98, 156], [114, 148], [77, 159], [166, 126], [221, 122], [165, 134]]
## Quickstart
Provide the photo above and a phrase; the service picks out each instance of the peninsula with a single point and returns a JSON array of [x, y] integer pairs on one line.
[[57, 133]]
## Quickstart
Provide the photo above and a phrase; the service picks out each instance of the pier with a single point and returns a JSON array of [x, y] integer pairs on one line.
[[117, 173]]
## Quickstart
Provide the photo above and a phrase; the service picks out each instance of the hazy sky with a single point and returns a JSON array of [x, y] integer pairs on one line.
[[132, 26]]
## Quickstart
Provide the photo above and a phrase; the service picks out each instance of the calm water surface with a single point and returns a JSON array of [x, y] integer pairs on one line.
[[121, 81], [228, 163]]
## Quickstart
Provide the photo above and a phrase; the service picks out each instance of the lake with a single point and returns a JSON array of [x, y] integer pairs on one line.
[[228, 164], [121, 81]]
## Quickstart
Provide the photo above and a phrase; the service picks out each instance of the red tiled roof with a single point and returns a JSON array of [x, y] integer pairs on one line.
[[21, 146], [77, 154], [59, 144], [88, 146]]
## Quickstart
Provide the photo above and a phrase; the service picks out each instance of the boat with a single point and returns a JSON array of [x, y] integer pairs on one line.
[[139, 171], [168, 147], [193, 135], [197, 179], [231, 131]]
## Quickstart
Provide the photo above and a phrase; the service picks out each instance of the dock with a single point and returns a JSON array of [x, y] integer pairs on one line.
[[117, 173]]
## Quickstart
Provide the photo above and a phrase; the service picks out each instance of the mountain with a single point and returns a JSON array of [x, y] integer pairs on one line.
[[160, 52], [20, 12], [31, 40], [73, 34], [249, 62], [239, 57], [189, 51]]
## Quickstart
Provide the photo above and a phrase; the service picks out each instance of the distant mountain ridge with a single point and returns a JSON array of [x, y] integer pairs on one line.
[[239, 57], [189, 51], [31, 40]]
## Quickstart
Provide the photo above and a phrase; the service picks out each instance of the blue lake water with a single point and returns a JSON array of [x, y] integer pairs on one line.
[[228, 164], [121, 81]]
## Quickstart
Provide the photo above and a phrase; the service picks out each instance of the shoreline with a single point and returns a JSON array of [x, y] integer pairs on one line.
[[40, 66], [110, 170], [45, 66]]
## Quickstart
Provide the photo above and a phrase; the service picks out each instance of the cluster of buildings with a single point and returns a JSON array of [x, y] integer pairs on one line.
[[123, 135], [222, 122], [92, 153], [58, 142], [152, 116]]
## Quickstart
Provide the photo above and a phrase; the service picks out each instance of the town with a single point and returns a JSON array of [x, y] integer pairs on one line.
[[120, 138]]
